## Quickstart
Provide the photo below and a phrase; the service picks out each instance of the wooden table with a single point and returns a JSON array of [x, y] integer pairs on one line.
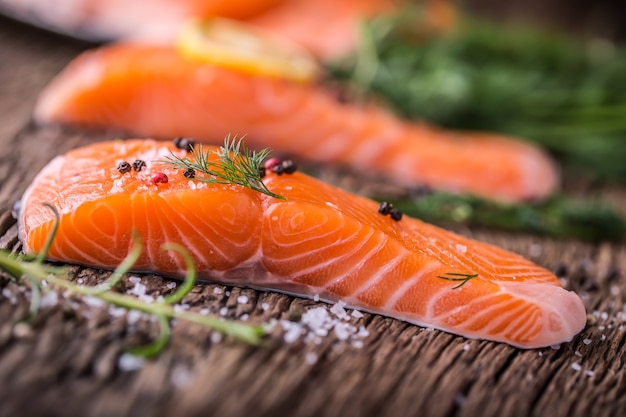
[[67, 361]]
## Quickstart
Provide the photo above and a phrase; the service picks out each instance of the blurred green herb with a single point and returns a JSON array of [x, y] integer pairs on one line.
[[40, 276], [567, 95], [558, 216]]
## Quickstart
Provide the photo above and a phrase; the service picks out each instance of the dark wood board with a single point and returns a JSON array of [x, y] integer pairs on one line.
[[66, 362]]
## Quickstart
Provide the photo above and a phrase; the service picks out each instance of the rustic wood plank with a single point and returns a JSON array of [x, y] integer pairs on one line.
[[66, 361]]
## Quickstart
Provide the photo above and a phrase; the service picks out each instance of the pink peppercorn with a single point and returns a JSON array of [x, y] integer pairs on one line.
[[271, 163], [159, 178]]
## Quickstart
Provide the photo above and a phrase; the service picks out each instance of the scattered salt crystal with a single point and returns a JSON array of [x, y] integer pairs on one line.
[[604, 316], [540, 353], [49, 300], [316, 298], [218, 291], [576, 366], [344, 330], [615, 290], [466, 346], [362, 333], [227, 293], [555, 347], [8, 294], [223, 311], [93, 301], [181, 308], [461, 248], [116, 311], [181, 376], [589, 372], [128, 362], [265, 306], [216, 337], [357, 344], [338, 310], [22, 330], [171, 285], [139, 289], [603, 337], [135, 279], [601, 327], [242, 299], [292, 331], [430, 329], [44, 283], [577, 353], [244, 317], [192, 184], [80, 281], [204, 311], [133, 316], [310, 358], [356, 314]]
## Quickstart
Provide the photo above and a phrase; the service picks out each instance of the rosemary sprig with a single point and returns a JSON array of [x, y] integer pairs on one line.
[[235, 164], [456, 276], [37, 273]]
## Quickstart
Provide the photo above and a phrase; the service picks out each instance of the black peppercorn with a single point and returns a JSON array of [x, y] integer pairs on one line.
[[278, 169], [395, 214], [189, 173], [289, 167], [138, 165], [123, 167], [385, 208], [184, 143]]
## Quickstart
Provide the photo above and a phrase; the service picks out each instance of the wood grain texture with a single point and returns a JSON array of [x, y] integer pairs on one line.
[[66, 361]]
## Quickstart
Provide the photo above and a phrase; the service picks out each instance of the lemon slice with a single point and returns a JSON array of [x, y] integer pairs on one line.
[[241, 47]]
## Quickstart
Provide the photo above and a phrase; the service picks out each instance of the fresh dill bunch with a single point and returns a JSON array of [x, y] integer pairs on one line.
[[567, 95], [235, 164]]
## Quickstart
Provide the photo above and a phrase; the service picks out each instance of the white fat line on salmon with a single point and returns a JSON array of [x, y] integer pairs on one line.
[[397, 295], [365, 257], [331, 260], [380, 274]]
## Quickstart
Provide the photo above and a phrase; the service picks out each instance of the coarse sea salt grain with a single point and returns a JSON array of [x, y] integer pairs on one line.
[[181, 376], [461, 248], [242, 299], [8, 294], [135, 279], [310, 358], [356, 314], [265, 306], [204, 311], [171, 285], [218, 291], [576, 366], [129, 362], [223, 311], [586, 341], [216, 337], [139, 289], [50, 299]]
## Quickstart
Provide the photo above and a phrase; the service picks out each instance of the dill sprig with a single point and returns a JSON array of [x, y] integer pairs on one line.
[[567, 95], [235, 164], [41, 277], [456, 276]]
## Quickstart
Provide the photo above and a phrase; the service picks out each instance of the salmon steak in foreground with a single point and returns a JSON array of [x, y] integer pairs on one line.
[[315, 241], [154, 91]]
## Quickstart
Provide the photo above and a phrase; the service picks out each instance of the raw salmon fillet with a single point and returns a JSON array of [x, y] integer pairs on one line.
[[319, 241], [152, 91]]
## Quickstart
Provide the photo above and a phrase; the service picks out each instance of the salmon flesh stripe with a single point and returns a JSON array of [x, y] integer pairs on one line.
[[153, 91], [318, 242]]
